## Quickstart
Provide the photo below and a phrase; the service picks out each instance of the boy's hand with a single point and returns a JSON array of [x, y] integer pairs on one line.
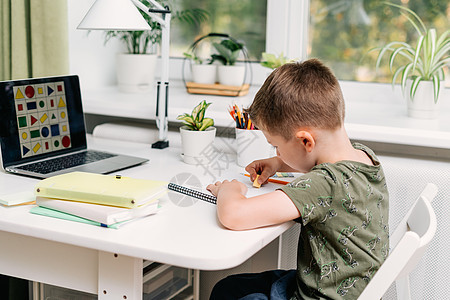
[[226, 186], [264, 168]]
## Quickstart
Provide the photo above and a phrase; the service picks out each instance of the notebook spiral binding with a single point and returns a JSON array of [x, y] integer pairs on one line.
[[192, 193]]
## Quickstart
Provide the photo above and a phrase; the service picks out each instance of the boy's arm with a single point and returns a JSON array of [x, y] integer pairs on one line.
[[237, 212]]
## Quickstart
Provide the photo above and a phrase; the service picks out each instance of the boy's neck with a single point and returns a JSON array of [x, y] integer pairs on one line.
[[334, 145]]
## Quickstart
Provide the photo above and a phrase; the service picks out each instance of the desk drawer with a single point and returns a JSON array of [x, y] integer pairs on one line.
[[166, 282]]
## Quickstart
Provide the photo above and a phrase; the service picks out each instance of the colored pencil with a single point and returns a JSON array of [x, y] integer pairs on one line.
[[273, 180]]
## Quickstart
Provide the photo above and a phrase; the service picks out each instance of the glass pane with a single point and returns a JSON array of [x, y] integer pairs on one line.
[[244, 20], [342, 32]]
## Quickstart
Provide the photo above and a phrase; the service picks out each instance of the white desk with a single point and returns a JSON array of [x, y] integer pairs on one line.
[[108, 261]]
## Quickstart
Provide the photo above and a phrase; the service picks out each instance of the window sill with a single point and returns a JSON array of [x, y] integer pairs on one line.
[[374, 112]]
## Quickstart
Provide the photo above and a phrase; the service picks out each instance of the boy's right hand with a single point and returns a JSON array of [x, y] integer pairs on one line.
[[264, 167]]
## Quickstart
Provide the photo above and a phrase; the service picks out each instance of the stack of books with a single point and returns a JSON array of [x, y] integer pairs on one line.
[[108, 201]]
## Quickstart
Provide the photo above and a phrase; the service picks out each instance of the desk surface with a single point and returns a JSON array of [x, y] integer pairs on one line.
[[189, 237]]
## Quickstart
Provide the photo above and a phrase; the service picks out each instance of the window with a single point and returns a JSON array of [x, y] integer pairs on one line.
[[342, 32], [244, 20]]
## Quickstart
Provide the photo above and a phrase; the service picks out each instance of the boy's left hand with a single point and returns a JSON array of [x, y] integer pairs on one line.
[[227, 186]]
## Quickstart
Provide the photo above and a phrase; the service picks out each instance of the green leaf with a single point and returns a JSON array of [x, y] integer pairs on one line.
[[414, 86], [195, 111], [207, 122], [436, 87]]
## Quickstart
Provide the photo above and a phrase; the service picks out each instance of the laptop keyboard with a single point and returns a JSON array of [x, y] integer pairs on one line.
[[65, 162]]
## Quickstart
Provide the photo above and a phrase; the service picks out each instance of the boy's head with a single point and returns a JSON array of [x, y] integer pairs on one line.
[[298, 95]]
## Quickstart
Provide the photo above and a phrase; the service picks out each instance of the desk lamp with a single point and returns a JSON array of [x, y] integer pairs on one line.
[[123, 15]]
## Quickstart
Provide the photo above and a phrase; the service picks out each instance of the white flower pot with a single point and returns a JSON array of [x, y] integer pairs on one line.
[[196, 145], [205, 74], [423, 105], [136, 72], [231, 75]]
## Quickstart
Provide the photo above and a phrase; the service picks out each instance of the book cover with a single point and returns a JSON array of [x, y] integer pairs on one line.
[[101, 189], [99, 213]]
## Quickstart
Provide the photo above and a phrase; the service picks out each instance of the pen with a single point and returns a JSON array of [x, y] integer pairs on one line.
[[273, 180]]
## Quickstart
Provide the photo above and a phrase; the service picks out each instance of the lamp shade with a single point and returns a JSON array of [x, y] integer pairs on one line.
[[114, 15]]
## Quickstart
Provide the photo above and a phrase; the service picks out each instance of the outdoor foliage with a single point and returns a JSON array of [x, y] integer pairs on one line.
[[140, 42]]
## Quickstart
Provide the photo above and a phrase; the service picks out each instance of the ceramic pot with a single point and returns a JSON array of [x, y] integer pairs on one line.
[[231, 75], [196, 144], [423, 105], [136, 72], [205, 74]]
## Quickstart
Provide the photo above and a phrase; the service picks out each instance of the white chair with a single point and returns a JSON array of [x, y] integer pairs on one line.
[[408, 243]]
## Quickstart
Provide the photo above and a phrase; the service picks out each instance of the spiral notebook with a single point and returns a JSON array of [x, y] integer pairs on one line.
[[192, 193]]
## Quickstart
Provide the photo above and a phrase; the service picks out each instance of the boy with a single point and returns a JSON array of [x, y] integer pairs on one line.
[[341, 200]]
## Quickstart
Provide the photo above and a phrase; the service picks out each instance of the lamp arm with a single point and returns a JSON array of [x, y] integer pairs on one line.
[[145, 9]]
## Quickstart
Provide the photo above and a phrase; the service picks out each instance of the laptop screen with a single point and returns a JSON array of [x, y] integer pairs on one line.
[[40, 118]]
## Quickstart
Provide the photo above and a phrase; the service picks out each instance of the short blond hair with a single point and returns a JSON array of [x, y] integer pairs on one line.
[[298, 95]]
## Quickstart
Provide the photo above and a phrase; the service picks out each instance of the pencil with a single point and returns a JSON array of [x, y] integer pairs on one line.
[[273, 180]]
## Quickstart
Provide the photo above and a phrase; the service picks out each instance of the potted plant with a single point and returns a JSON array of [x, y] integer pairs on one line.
[[272, 61], [228, 53], [197, 134], [136, 67], [423, 70], [201, 72]]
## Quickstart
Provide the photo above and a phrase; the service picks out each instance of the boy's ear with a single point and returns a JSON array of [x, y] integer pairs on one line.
[[306, 139]]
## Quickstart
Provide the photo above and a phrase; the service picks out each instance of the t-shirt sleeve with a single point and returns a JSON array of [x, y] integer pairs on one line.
[[311, 194]]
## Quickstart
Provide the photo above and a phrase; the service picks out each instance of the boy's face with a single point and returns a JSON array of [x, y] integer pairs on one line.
[[292, 152]]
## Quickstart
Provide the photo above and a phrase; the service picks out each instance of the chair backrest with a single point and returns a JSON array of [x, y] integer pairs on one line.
[[408, 244]]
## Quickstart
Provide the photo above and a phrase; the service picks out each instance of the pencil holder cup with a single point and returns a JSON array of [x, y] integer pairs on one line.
[[251, 145]]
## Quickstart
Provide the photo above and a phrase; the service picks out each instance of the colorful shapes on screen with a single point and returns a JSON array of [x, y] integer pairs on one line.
[[65, 141], [31, 105], [33, 120], [45, 131], [22, 121], [43, 118], [19, 94], [54, 129], [29, 91], [36, 147], [35, 133], [61, 103], [25, 150]]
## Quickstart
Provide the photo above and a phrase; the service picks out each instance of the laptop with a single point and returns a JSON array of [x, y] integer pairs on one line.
[[42, 130]]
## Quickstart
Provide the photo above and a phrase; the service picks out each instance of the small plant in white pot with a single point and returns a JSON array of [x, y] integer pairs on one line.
[[136, 67], [229, 73], [197, 134], [423, 72], [201, 72]]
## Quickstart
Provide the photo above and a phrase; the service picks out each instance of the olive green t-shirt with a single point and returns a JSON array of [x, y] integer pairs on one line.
[[344, 239]]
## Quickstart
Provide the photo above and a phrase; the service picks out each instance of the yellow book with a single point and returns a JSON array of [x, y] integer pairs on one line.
[[101, 189]]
